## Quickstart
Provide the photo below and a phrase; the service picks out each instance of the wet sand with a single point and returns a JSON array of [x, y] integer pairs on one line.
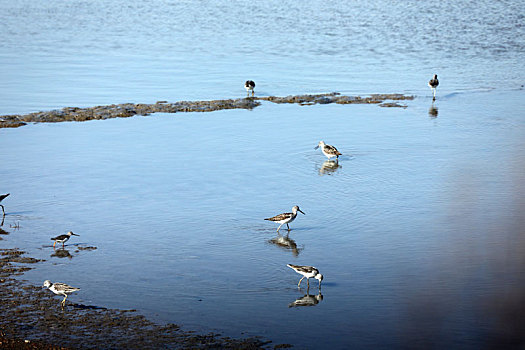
[[130, 109], [31, 318]]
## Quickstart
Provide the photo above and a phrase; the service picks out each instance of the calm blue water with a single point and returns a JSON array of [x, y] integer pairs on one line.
[[418, 231]]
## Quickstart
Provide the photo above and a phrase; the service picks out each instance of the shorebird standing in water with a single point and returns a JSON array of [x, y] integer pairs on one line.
[[2, 197], [63, 238], [60, 289], [308, 272], [285, 218], [433, 83], [249, 86], [329, 151]]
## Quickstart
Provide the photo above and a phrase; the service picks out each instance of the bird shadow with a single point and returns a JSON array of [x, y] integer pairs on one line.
[[286, 243], [433, 111], [329, 167], [24, 212], [307, 299], [76, 245], [87, 307], [61, 253]]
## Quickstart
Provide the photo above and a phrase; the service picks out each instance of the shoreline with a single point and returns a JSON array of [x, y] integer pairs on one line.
[[126, 110], [31, 318]]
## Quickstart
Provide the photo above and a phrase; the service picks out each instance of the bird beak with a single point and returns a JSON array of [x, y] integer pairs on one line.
[[316, 147], [74, 234], [301, 211]]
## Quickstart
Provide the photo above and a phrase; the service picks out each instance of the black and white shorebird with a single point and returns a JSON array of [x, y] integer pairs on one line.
[[63, 238], [249, 85], [285, 218], [308, 272], [60, 289], [2, 197], [328, 150], [433, 83]]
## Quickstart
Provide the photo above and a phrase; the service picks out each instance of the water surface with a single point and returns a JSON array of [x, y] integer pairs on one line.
[[417, 229]]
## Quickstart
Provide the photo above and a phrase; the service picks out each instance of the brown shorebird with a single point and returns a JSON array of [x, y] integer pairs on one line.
[[285, 218], [60, 289], [328, 150]]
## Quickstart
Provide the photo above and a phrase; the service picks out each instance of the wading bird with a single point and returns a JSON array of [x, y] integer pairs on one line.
[[433, 83], [308, 272], [60, 289], [285, 218], [2, 197], [63, 238], [329, 151], [249, 86]]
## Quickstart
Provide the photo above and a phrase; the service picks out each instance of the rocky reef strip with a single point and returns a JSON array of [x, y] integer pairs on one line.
[[125, 110]]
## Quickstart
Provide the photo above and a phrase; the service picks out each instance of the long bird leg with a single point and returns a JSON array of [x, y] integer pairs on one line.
[[288, 226], [278, 228], [299, 284], [55, 242], [3, 211], [308, 282], [64, 301]]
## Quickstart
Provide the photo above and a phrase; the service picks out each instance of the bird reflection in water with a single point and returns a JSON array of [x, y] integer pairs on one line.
[[61, 253], [307, 300], [433, 111], [329, 167], [286, 243]]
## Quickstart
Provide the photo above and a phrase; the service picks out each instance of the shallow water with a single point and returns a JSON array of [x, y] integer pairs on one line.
[[420, 222], [81, 53], [417, 230]]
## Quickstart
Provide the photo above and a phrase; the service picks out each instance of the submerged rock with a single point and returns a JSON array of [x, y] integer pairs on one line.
[[392, 104]]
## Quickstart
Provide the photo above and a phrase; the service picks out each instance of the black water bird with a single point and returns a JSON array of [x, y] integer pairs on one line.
[[2, 197], [433, 83], [249, 85]]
